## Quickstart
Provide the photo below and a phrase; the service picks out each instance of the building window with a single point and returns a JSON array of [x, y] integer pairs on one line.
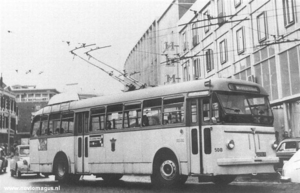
[[288, 12], [262, 27], [185, 70], [223, 51], [289, 70], [196, 69], [237, 3], [184, 41], [195, 35], [209, 60], [30, 97], [240, 40], [221, 12], [206, 18]]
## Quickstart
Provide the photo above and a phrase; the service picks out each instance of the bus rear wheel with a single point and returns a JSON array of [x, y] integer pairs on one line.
[[223, 180], [111, 178], [166, 171], [61, 168]]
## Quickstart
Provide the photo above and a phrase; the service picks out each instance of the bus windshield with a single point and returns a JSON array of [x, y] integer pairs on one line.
[[245, 108]]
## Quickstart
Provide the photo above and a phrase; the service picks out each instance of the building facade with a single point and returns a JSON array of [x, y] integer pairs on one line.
[[146, 61], [29, 100], [254, 40], [8, 115]]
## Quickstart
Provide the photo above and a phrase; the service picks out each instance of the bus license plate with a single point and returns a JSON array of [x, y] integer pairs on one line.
[[261, 154]]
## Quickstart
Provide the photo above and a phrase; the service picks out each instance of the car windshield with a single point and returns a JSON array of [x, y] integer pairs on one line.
[[245, 108], [24, 151]]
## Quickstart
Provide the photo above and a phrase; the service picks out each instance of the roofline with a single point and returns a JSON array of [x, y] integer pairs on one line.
[[24, 90], [164, 13]]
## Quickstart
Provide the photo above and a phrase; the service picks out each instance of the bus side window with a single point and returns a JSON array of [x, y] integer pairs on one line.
[[206, 110], [132, 115], [36, 127], [44, 125], [67, 123], [114, 117], [54, 123], [173, 110], [97, 119], [152, 110]]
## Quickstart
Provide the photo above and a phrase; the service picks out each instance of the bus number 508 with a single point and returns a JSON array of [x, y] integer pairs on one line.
[[218, 149]]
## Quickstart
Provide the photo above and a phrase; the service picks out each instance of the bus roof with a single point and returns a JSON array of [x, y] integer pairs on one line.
[[217, 84]]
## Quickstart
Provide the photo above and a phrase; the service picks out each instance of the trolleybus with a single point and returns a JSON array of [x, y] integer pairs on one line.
[[212, 129]]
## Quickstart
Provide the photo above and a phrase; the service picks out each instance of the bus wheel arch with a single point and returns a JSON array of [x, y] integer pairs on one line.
[[61, 166], [165, 168]]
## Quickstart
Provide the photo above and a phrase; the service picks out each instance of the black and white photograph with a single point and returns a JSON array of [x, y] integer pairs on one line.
[[130, 96]]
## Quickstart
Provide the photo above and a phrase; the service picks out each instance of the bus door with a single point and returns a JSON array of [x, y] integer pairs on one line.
[[209, 134], [82, 143], [194, 122]]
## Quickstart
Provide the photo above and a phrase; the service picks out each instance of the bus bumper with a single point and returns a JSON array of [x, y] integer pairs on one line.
[[247, 161]]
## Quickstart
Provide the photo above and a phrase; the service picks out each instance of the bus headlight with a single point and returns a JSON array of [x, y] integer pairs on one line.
[[230, 145], [274, 145]]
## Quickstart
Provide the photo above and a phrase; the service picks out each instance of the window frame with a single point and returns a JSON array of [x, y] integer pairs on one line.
[[286, 13], [206, 19], [242, 31], [209, 60], [196, 69], [184, 41], [195, 34], [259, 31], [221, 12], [185, 71], [223, 53]]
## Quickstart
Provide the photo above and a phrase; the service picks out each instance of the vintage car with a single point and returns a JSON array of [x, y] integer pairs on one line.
[[285, 150], [20, 163], [3, 161], [291, 169]]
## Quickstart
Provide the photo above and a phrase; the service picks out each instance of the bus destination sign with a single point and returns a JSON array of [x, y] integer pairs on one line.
[[97, 141], [247, 88]]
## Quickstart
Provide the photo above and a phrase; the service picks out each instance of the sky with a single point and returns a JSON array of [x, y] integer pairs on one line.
[[34, 47]]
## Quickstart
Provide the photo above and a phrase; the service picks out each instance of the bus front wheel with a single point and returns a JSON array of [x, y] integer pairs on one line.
[[61, 168], [223, 180], [166, 171]]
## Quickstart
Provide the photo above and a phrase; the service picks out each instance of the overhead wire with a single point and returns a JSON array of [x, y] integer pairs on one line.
[[268, 16]]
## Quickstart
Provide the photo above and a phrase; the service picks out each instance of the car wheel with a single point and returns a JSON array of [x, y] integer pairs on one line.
[[12, 173], [18, 173], [46, 175]]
